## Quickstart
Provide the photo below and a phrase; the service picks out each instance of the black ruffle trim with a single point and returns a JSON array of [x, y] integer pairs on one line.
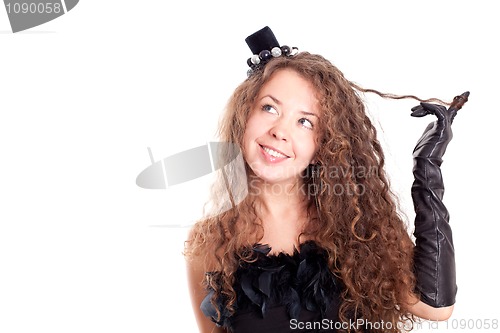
[[296, 281]]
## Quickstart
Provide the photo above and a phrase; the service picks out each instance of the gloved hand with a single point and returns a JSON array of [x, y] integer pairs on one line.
[[434, 255]]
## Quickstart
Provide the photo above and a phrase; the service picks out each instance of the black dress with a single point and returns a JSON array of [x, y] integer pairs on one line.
[[282, 293]]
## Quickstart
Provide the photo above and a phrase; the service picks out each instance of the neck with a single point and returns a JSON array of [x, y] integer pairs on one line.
[[280, 200]]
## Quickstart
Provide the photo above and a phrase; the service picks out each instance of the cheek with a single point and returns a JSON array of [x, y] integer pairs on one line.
[[252, 130], [305, 138], [248, 136], [309, 149]]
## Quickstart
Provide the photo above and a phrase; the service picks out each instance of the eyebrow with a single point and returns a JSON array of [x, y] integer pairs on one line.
[[277, 101]]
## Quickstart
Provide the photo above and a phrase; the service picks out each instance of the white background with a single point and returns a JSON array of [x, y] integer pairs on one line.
[[83, 249]]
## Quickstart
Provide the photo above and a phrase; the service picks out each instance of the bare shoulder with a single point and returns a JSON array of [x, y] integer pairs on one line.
[[195, 265], [196, 269]]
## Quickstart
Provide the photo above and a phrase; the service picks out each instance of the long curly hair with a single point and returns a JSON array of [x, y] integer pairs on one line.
[[352, 211]]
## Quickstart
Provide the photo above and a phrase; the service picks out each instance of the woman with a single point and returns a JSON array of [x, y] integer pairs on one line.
[[317, 244]]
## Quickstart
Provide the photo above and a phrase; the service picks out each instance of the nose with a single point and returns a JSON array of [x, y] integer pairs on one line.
[[280, 130]]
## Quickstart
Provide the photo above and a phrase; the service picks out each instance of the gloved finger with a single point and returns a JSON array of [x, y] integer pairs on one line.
[[428, 108], [419, 111]]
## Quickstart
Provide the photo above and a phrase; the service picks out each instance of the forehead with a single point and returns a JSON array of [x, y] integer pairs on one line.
[[287, 85]]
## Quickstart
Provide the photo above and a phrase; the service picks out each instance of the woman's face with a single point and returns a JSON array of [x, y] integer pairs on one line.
[[279, 141]]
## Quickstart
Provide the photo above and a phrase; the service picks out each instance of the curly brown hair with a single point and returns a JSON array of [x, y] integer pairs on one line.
[[367, 242]]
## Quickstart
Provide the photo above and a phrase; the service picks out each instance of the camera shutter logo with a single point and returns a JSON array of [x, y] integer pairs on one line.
[[222, 157]]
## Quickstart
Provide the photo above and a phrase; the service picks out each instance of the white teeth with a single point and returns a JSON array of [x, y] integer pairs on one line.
[[273, 153]]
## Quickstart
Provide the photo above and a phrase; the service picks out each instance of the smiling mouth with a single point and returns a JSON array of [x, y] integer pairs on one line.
[[273, 152]]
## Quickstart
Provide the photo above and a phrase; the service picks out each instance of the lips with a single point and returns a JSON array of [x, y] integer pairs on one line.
[[273, 152]]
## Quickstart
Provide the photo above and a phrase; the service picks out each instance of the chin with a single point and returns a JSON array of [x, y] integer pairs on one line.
[[266, 177], [274, 177]]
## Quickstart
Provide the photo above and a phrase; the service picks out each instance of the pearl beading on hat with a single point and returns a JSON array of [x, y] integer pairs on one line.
[[258, 60]]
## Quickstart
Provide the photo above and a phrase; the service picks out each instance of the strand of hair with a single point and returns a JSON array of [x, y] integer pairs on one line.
[[393, 96]]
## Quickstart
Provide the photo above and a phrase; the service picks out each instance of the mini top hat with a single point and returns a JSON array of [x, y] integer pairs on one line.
[[263, 39], [264, 47]]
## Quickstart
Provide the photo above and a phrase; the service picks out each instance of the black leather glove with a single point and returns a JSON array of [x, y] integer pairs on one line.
[[434, 255]]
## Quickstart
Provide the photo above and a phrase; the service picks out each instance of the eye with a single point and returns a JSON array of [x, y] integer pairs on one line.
[[306, 123], [269, 108]]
